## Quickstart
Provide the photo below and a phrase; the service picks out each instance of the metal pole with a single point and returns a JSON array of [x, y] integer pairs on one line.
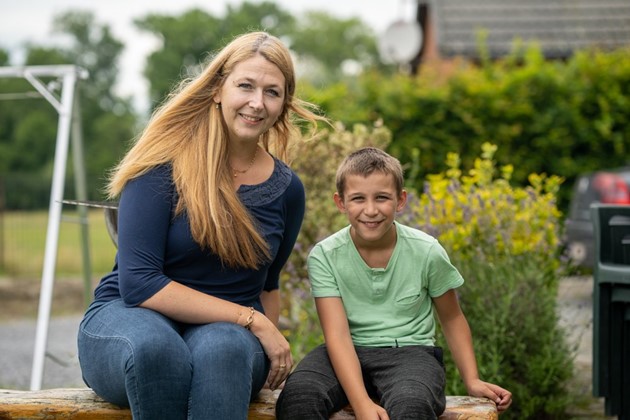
[[81, 191], [52, 234]]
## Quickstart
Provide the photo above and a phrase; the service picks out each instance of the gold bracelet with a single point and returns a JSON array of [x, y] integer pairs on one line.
[[250, 318]]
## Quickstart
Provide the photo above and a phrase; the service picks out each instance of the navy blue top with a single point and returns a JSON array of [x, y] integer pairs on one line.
[[154, 247]]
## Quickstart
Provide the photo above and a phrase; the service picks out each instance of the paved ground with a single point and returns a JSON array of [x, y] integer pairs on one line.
[[61, 369], [575, 303]]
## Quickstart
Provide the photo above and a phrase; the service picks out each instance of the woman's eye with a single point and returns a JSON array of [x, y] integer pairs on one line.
[[245, 85], [273, 92]]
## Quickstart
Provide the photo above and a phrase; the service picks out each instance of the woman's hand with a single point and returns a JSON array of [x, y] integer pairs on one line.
[[276, 347]]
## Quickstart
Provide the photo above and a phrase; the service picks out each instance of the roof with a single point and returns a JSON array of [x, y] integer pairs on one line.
[[559, 26]]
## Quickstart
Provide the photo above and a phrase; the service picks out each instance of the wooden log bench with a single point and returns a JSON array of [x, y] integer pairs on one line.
[[84, 404]]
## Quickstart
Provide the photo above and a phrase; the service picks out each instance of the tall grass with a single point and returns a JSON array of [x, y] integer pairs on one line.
[[23, 243]]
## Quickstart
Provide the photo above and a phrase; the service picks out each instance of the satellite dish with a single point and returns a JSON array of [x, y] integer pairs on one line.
[[400, 43]]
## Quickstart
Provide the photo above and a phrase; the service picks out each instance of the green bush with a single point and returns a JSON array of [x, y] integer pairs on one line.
[[481, 214], [553, 117], [504, 241], [511, 307]]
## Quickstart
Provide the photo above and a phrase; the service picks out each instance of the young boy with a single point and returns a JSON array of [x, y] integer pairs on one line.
[[375, 285]]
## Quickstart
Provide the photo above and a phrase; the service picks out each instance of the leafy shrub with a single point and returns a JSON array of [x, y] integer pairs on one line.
[[563, 118], [504, 241], [511, 307], [480, 214]]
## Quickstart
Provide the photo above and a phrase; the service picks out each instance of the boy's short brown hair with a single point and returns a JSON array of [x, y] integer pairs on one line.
[[366, 161]]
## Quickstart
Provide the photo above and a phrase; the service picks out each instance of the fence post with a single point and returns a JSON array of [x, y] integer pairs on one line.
[[2, 210]]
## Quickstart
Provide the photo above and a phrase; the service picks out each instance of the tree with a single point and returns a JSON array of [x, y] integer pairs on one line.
[[28, 127], [188, 39], [94, 48], [108, 120], [4, 57], [325, 46], [27, 136], [336, 44]]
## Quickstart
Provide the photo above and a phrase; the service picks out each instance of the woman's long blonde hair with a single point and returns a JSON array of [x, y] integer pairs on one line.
[[187, 131]]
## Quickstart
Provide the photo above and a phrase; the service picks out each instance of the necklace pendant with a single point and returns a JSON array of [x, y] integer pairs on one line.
[[235, 172]]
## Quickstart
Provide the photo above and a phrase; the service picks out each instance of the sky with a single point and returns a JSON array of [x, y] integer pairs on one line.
[[30, 21]]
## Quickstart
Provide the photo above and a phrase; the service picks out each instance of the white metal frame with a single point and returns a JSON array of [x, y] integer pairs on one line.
[[64, 105]]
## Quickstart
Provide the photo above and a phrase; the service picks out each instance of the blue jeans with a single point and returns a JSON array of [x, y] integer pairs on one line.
[[162, 369]]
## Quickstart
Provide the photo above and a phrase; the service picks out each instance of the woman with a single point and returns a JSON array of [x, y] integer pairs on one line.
[[186, 324]]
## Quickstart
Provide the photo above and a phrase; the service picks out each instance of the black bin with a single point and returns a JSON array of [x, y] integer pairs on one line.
[[611, 307]]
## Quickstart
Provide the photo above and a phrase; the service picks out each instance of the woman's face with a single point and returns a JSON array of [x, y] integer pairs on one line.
[[252, 98]]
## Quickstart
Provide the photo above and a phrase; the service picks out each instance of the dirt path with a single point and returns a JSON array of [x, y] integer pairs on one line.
[[19, 298]]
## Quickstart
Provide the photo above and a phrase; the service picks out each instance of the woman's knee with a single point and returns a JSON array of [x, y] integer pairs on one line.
[[170, 354], [229, 354], [112, 349], [222, 342]]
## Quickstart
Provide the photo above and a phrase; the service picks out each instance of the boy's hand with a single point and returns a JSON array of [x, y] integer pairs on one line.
[[371, 411], [501, 397]]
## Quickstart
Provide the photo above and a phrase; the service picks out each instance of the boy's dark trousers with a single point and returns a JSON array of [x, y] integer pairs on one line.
[[407, 381]]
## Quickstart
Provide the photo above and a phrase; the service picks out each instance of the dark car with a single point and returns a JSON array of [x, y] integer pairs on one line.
[[606, 186]]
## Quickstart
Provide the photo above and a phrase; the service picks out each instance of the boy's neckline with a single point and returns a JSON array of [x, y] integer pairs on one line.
[[376, 257]]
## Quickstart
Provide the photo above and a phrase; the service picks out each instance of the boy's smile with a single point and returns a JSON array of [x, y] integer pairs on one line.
[[371, 204]]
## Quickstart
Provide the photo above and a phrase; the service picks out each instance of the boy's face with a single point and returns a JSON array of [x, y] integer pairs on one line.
[[371, 204]]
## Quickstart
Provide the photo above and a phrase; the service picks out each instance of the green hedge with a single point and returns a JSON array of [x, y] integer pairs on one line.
[[554, 117], [504, 240]]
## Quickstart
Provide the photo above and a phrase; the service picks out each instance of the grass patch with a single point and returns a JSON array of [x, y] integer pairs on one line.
[[23, 243]]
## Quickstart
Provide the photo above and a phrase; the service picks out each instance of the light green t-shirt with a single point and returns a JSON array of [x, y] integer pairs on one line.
[[385, 306]]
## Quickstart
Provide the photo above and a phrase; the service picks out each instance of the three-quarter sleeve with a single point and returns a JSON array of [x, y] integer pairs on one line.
[[144, 217], [293, 209]]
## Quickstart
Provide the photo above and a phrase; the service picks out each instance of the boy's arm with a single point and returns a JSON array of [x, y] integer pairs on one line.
[[459, 339], [343, 357]]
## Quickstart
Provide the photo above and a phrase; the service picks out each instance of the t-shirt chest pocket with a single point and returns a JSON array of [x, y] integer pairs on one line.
[[409, 301]]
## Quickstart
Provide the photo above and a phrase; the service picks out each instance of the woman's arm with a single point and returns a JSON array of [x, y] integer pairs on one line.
[[343, 357], [144, 218], [293, 213], [184, 304]]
